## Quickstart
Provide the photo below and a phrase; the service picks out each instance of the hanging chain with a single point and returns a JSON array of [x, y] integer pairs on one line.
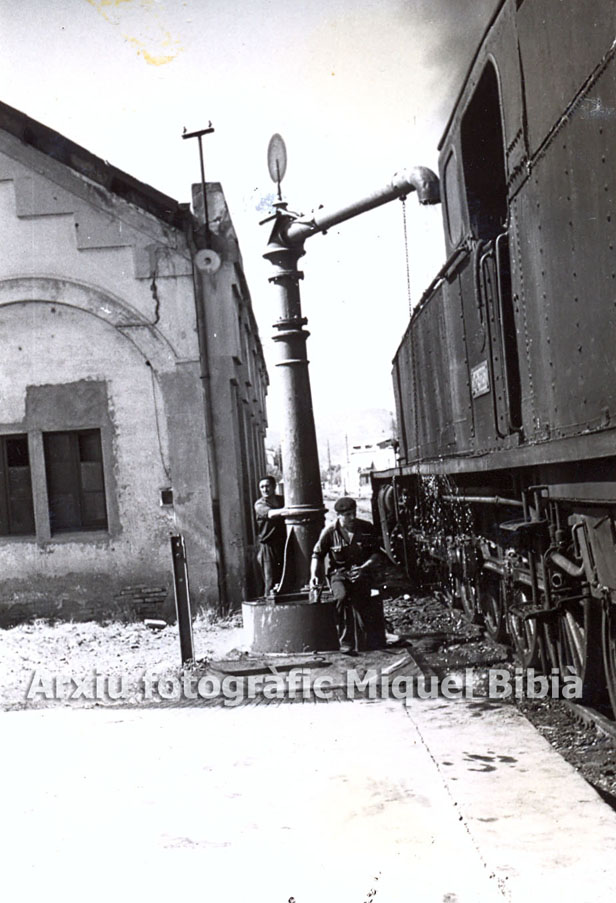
[[406, 254]]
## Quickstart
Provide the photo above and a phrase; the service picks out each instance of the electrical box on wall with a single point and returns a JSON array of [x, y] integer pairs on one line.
[[166, 498]]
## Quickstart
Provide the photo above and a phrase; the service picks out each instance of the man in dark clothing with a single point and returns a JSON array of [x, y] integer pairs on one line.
[[352, 547], [271, 532]]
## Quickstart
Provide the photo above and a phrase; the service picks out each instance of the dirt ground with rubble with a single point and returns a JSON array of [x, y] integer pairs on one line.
[[439, 638], [33, 653]]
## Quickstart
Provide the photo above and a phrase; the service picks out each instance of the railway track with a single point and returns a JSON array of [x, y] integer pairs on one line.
[[592, 718], [443, 642]]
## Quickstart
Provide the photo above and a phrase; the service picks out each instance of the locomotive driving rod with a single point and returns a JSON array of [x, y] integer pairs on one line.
[[300, 460]]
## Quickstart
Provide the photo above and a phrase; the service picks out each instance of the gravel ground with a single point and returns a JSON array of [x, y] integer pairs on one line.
[[82, 651]]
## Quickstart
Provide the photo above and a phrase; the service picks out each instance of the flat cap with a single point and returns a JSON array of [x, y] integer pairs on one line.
[[344, 504]]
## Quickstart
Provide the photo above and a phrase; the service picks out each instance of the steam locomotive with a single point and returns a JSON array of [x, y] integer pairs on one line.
[[504, 495]]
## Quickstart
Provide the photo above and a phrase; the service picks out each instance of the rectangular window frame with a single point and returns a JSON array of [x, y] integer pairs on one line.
[[75, 478], [10, 502]]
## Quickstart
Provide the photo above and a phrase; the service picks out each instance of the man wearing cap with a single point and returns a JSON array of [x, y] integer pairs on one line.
[[271, 531], [352, 547]]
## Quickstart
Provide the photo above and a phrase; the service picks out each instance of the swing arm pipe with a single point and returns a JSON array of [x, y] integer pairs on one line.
[[419, 179]]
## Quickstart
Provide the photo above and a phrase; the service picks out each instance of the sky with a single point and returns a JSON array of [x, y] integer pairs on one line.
[[359, 89]]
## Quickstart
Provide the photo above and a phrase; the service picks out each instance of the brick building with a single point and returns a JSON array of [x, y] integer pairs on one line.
[[133, 388]]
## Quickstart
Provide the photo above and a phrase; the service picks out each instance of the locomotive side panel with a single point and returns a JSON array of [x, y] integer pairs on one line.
[[457, 363], [560, 45], [591, 144], [566, 221], [404, 396], [432, 378], [430, 353]]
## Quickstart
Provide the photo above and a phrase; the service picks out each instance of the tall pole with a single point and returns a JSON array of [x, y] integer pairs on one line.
[[300, 457], [199, 135], [302, 478]]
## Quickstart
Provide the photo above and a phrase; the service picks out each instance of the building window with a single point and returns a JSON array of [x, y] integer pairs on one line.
[[75, 483], [16, 508]]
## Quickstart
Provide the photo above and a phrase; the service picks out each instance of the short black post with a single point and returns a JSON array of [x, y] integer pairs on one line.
[[182, 598]]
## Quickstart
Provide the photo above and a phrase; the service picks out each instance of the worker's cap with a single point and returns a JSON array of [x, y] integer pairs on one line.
[[344, 505]]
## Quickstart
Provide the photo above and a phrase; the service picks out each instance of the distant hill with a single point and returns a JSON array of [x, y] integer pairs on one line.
[[353, 426]]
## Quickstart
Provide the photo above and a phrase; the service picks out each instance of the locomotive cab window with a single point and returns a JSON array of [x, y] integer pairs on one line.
[[453, 200], [484, 160]]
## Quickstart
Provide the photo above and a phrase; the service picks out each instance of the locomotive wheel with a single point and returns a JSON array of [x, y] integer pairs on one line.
[[447, 594], [579, 634], [609, 652], [449, 588], [548, 647], [492, 606], [468, 600], [456, 592], [396, 546], [525, 635]]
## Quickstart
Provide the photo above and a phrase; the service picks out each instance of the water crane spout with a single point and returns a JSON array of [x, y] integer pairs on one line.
[[419, 179]]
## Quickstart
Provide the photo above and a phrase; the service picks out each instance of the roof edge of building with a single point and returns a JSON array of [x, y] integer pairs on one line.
[[59, 148]]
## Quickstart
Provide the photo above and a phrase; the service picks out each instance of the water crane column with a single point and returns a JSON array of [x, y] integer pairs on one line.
[[300, 457], [287, 621]]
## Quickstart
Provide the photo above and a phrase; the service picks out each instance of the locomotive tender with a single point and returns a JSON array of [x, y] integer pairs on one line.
[[505, 379]]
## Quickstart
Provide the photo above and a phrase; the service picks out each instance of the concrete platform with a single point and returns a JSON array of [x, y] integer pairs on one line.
[[347, 802], [540, 828]]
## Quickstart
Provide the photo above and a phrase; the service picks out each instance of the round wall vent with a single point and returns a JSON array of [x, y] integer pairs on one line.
[[207, 261]]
